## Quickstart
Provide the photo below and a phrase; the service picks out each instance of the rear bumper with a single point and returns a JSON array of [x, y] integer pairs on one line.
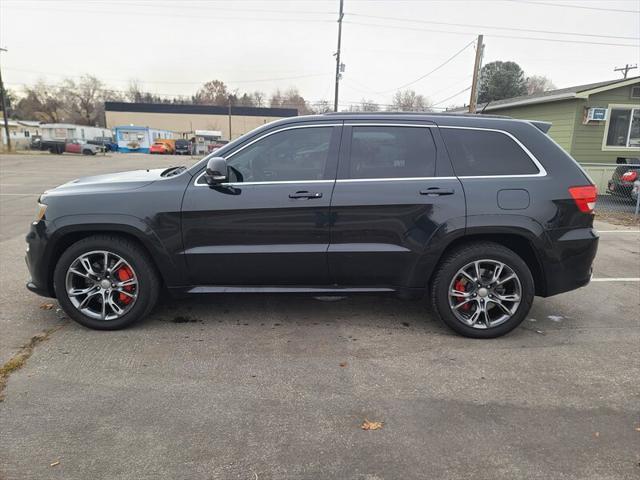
[[568, 263]]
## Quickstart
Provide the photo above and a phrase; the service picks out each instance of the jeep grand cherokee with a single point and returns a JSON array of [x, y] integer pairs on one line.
[[481, 213]]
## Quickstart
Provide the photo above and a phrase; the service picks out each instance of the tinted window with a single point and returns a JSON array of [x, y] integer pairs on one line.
[[482, 152], [392, 152], [297, 154]]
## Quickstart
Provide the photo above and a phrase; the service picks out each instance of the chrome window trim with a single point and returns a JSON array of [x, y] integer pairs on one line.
[[541, 170], [294, 127], [397, 179]]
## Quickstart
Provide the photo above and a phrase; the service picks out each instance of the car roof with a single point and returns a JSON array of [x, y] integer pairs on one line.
[[440, 119]]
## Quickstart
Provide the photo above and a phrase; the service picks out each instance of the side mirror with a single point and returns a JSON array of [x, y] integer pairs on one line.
[[216, 171]]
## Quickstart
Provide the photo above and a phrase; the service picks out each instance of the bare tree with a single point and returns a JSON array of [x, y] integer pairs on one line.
[[365, 105], [214, 92], [291, 98], [258, 98], [41, 102], [84, 100], [410, 101], [323, 106], [538, 84], [134, 91]]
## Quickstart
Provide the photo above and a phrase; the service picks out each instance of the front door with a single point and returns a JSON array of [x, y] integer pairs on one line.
[[395, 190], [270, 224]]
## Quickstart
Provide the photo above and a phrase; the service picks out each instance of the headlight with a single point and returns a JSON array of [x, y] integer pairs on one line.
[[40, 209]]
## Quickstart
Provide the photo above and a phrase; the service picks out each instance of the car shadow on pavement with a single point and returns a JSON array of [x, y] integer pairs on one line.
[[382, 311]]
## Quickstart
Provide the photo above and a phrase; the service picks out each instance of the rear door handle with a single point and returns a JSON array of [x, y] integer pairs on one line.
[[437, 191], [305, 194]]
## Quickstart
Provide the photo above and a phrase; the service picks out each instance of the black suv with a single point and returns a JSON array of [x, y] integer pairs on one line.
[[482, 213]]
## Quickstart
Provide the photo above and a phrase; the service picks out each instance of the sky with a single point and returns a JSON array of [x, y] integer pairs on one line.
[[172, 47]]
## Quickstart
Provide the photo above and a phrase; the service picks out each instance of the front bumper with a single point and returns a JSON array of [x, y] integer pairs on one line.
[[38, 260]]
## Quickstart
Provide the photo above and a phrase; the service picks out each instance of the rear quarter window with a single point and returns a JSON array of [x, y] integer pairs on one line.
[[485, 152]]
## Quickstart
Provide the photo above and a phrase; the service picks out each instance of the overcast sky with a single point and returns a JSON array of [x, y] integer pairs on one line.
[[172, 47]]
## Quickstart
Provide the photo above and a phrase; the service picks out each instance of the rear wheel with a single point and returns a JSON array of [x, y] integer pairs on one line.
[[483, 290], [88, 152], [106, 282]]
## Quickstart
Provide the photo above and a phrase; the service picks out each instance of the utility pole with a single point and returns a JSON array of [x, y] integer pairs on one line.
[[477, 64], [229, 99], [625, 69], [3, 99], [338, 65]]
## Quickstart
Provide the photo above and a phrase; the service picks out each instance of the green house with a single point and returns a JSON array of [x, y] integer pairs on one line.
[[595, 123]]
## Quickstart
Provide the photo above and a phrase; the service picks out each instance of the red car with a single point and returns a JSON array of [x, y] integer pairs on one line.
[[159, 147], [80, 146]]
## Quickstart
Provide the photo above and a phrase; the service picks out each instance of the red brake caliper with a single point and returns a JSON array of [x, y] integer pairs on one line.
[[460, 286], [123, 274]]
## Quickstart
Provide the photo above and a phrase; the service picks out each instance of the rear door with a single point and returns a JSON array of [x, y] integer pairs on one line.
[[270, 224], [395, 190]]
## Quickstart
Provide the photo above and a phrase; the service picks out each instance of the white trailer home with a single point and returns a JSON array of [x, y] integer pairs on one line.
[[68, 131]]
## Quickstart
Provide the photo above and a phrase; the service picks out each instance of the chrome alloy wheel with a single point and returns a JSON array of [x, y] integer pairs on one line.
[[101, 285], [485, 293]]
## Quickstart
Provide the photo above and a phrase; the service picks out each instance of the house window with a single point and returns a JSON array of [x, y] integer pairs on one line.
[[635, 92], [623, 128]]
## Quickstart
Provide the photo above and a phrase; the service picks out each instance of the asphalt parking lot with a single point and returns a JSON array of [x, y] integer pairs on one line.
[[263, 386]]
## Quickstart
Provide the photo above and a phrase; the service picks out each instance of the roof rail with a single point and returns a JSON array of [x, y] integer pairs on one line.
[[426, 114]]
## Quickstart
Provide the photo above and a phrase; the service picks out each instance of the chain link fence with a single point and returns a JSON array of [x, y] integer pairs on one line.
[[618, 186]]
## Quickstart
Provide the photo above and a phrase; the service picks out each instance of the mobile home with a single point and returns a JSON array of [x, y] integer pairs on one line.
[[132, 138]]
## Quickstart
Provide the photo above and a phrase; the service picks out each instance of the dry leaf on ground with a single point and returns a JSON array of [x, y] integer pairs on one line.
[[343, 364], [46, 306], [367, 425], [57, 462]]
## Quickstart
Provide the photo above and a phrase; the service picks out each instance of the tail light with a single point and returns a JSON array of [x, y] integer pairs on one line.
[[630, 176], [585, 197]]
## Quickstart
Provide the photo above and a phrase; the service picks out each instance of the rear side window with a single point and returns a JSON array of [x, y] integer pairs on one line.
[[484, 152], [392, 152]]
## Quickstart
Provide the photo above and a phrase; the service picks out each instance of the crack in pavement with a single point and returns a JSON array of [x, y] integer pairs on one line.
[[19, 360]]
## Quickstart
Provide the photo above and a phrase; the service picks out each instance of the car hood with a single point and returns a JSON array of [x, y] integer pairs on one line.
[[108, 182]]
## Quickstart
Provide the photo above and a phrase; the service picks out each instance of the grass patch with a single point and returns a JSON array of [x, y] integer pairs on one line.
[[19, 359]]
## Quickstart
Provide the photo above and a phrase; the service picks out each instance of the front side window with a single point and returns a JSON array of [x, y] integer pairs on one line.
[[288, 155], [485, 152], [392, 152], [624, 128]]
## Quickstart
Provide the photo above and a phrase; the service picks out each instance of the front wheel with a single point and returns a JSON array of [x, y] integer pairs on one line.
[[106, 282], [483, 290]]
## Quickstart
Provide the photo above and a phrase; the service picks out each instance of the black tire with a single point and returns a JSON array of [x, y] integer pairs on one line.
[[136, 256], [88, 152], [464, 255]]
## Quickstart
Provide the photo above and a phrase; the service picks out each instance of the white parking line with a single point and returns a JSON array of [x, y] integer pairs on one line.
[[618, 231], [18, 194], [621, 279]]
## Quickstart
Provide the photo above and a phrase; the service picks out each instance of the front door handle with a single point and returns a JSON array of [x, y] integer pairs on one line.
[[437, 191], [305, 194]]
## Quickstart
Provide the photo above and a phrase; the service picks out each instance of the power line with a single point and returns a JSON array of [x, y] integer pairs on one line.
[[430, 72], [558, 40], [160, 4], [273, 79], [452, 96], [165, 14], [471, 25], [576, 6]]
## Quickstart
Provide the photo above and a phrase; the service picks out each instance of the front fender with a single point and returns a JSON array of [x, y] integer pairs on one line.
[[170, 267]]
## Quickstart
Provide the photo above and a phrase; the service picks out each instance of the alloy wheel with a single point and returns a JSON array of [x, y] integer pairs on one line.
[[101, 285], [485, 293]]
